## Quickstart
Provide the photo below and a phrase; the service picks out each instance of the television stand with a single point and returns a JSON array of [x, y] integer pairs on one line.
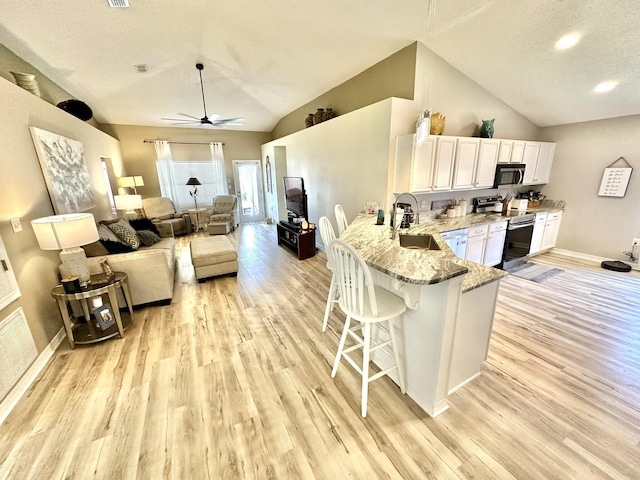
[[300, 242]]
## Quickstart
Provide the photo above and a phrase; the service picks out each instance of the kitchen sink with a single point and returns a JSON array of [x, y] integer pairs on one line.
[[422, 242]]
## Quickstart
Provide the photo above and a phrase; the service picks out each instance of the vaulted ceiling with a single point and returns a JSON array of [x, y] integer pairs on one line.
[[264, 59]]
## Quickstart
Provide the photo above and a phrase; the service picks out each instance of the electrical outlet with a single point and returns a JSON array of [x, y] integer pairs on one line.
[[15, 224], [424, 204]]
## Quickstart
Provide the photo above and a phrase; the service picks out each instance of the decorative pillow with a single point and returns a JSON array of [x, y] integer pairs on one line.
[[105, 233], [222, 207], [148, 238], [125, 233], [95, 249], [144, 224], [116, 247]]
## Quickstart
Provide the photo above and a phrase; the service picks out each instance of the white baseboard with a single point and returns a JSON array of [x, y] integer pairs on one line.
[[581, 256], [13, 397]]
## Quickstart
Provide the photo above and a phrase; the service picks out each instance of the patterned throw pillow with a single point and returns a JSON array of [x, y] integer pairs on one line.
[[148, 238], [105, 233], [126, 233]]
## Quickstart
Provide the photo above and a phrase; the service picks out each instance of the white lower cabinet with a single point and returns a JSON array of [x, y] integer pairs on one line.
[[538, 232], [495, 243], [551, 229], [486, 243], [476, 243]]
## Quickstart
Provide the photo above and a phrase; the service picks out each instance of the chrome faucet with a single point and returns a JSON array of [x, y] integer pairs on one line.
[[397, 224]]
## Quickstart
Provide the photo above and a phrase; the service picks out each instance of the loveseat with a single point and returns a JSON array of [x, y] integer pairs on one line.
[[150, 269]]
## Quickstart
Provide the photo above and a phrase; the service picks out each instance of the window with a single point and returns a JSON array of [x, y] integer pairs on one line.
[[203, 171]]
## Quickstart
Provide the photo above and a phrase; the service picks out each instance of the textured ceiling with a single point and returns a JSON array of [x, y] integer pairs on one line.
[[264, 59]]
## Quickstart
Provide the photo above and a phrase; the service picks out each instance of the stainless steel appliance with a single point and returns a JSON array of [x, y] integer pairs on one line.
[[509, 174], [518, 241], [486, 204]]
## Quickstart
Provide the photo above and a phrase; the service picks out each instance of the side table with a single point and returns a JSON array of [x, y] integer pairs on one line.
[[88, 332], [198, 218]]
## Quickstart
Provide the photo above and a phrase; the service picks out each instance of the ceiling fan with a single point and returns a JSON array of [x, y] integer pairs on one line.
[[214, 121]]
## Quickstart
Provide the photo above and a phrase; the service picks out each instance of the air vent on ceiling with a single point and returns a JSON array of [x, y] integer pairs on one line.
[[118, 3], [142, 68]]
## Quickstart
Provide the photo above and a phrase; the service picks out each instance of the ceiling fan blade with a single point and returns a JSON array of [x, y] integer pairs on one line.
[[229, 121], [190, 116], [182, 120]]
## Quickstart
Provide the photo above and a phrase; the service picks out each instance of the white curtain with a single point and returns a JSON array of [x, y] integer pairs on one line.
[[165, 170], [220, 186]]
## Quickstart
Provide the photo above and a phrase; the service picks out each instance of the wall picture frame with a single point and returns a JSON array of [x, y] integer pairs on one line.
[[104, 316], [65, 171]]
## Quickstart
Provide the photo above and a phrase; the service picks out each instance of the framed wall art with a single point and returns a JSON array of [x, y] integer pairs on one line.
[[9, 289], [615, 180], [65, 171]]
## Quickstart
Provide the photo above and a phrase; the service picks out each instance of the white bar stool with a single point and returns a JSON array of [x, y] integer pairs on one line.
[[369, 305], [341, 219], [327, 234]]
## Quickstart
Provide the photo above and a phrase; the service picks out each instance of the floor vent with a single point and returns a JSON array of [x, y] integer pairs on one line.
[[118, 3], [17, 350]]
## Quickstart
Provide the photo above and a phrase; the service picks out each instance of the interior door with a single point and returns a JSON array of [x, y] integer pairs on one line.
[[248, 179]]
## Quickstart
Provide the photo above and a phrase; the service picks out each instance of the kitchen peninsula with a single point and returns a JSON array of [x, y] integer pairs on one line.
[[444, 335]]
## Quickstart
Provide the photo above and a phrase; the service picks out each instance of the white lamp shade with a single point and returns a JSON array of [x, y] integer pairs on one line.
[[65, 231], [128, 202], [127, 182]]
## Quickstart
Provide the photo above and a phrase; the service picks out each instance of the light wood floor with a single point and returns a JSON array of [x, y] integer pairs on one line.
[[232, 380]]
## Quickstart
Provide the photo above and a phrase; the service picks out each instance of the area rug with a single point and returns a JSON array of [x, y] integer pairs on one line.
[[534, 271]]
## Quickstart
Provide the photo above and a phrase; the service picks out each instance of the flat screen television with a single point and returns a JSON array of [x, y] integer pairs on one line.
[[296, 198]]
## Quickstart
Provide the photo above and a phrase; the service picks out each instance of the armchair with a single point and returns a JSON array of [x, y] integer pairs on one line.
[[162, 211], [224, 209]]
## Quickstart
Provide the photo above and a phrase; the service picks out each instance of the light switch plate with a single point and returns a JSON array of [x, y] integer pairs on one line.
[[16, 225]]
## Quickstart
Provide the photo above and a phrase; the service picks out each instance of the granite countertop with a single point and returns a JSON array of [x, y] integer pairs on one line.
[[419, 266]]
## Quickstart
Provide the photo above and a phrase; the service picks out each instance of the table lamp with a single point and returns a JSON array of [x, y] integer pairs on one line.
[[195, 182], [128, 203], [67, 233], [131, 182]]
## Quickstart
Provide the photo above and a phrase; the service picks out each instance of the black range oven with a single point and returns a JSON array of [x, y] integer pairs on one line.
[[518, 241]]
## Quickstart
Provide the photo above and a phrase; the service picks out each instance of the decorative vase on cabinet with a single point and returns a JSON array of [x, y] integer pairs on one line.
[[328, 114], [317, 118], [308, 122]]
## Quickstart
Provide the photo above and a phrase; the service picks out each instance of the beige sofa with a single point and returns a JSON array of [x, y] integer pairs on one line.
[[151, 270]]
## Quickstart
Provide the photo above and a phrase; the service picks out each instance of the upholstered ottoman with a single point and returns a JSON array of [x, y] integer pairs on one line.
[[219, 228], [212, 256]]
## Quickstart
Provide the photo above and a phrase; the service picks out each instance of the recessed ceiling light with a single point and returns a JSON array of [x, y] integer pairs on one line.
[[567, 41], [605, 87]]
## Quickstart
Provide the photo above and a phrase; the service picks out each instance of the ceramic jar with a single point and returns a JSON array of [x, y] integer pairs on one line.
[[308, 122], [317, 118]]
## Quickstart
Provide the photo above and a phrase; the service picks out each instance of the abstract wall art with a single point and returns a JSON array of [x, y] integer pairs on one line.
[[65, 171]]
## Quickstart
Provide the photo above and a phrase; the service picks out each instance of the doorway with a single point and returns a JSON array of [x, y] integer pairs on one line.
[[247, 175]]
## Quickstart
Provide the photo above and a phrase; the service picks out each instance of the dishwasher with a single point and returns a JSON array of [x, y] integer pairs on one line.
[[457, 241]]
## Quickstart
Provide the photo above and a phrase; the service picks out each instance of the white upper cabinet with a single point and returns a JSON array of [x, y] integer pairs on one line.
[[530, 159], [466, 160], [545, 159], [511, 151], [517, 152], [447, 163], [414, 164], [538, 157], [487, 160], [443, 163]]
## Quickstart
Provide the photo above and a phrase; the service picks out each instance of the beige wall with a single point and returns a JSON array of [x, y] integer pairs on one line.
[[140, 158], [23, 194], [49, 91], [391, 77], [344, 160], [601, 226]]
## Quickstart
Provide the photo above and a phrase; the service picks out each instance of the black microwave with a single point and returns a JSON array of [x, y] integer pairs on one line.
[[509, 174]]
